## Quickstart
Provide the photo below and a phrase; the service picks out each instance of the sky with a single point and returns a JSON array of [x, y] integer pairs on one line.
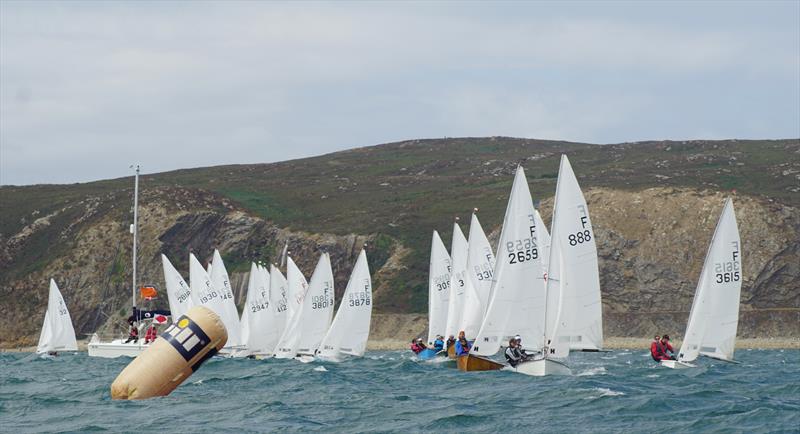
[[89, 88]]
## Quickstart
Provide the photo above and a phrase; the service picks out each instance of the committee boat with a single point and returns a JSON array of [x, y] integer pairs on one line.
[[714, 319]]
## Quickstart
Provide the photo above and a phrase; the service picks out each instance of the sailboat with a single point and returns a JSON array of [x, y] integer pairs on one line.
[[480, 271], [575, 310], [438, 292], [297, 287], [459, 285], [57, 331], [317, 309], [178, 292], [714, 318], [518, 300], [118, 347], [349, 331], [226, 306]]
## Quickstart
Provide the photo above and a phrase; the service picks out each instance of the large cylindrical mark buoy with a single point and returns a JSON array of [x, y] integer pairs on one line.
[[173, 357]]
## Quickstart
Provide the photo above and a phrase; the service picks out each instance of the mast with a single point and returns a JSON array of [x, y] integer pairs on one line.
[[134, 230]]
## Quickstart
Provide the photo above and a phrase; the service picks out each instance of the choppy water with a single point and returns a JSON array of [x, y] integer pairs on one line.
[[623, 391]]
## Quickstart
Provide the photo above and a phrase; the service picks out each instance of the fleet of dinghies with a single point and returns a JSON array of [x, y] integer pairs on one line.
[[540, 287]]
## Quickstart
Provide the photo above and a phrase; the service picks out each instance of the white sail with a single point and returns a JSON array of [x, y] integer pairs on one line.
[[229, 314], [480, 269], [278, 289], [178, 292], [205, 293], [57, 331], [517, 301], [258, 316], [459, 282], [544, 242], [714, 318], [438, 288], [573, 278], [350, 329], [297, 287], [317, 309]]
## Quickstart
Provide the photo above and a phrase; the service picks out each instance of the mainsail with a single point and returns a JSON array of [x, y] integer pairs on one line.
[[715, 310], [517, 303], [229, 314], [438, 288], [459, 282], [574, 309], [297, 287], [278, 289], [178, 292], [257, 315], [317, 308], [57, 331], [480, 269], [350, 329]]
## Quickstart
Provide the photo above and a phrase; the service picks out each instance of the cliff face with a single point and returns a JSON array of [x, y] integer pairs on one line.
[[652, 238]]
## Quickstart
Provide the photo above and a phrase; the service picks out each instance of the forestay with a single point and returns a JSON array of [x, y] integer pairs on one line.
[[459, 282], [229, 314], [297, 287], [178, 292], [517, 301], [714, 318], [438, 288], [350, 328], [57, 331], [574, 310], [317, 308], [480, 269]]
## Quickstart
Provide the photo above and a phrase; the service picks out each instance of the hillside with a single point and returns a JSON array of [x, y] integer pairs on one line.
[[654, 205]]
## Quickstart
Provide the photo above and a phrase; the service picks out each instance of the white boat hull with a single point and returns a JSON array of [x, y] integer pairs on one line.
[[676, 364], [542, 367], [116, 348]]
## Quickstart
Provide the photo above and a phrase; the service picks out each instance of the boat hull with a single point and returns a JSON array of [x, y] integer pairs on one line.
[[115, 348], [676, 364], [429, 353], [470, 363], [451, 352], [542, 367]]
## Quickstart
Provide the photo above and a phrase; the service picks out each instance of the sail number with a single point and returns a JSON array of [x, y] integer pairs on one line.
[[727, 271], [579, 237], [208, 297], [442, 283], [359, 299], [521, 250], [320, 302]]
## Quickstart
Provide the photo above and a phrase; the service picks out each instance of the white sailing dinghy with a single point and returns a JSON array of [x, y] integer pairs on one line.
[[178, 292], [227, 305], [316, 310], [272, 330], [349, 331], [714, 318], [438, 288], [573, 276], [297, 287], [459, 282], [57, 331], [480, 272], [258, 317], [518, 300]]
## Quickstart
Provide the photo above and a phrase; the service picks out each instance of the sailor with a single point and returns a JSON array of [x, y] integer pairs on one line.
[[462, 345], [133, 335], [656, 351], [415, 346], [512, 353], [451, 341], [151, 334], [666, 349], [421, 344], [438, 344]]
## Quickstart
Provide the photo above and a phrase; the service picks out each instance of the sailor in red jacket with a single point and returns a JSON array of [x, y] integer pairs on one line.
[[666, 349], [151, 334], [656, 350]]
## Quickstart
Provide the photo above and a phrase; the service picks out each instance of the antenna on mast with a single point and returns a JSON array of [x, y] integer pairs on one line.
[[134, 231]]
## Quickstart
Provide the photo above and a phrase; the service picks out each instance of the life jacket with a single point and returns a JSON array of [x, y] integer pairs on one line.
[[666, 347], [656, 351], [415, 348], [511, 356], [462, 349], [438, 345], [134, 332]]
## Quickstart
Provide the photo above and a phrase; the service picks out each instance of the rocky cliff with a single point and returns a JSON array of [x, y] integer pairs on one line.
[[654, 207]]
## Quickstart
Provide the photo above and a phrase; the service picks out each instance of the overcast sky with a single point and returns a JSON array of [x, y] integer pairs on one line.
[[88, 88]]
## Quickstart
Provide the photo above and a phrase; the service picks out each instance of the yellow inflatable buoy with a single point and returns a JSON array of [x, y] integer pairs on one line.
[[173, 357]]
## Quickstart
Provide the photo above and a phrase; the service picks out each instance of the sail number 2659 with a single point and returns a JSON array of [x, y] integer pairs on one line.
[[521, 250]]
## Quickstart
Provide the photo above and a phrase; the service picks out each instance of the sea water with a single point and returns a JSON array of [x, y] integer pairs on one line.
[[620, 391]]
